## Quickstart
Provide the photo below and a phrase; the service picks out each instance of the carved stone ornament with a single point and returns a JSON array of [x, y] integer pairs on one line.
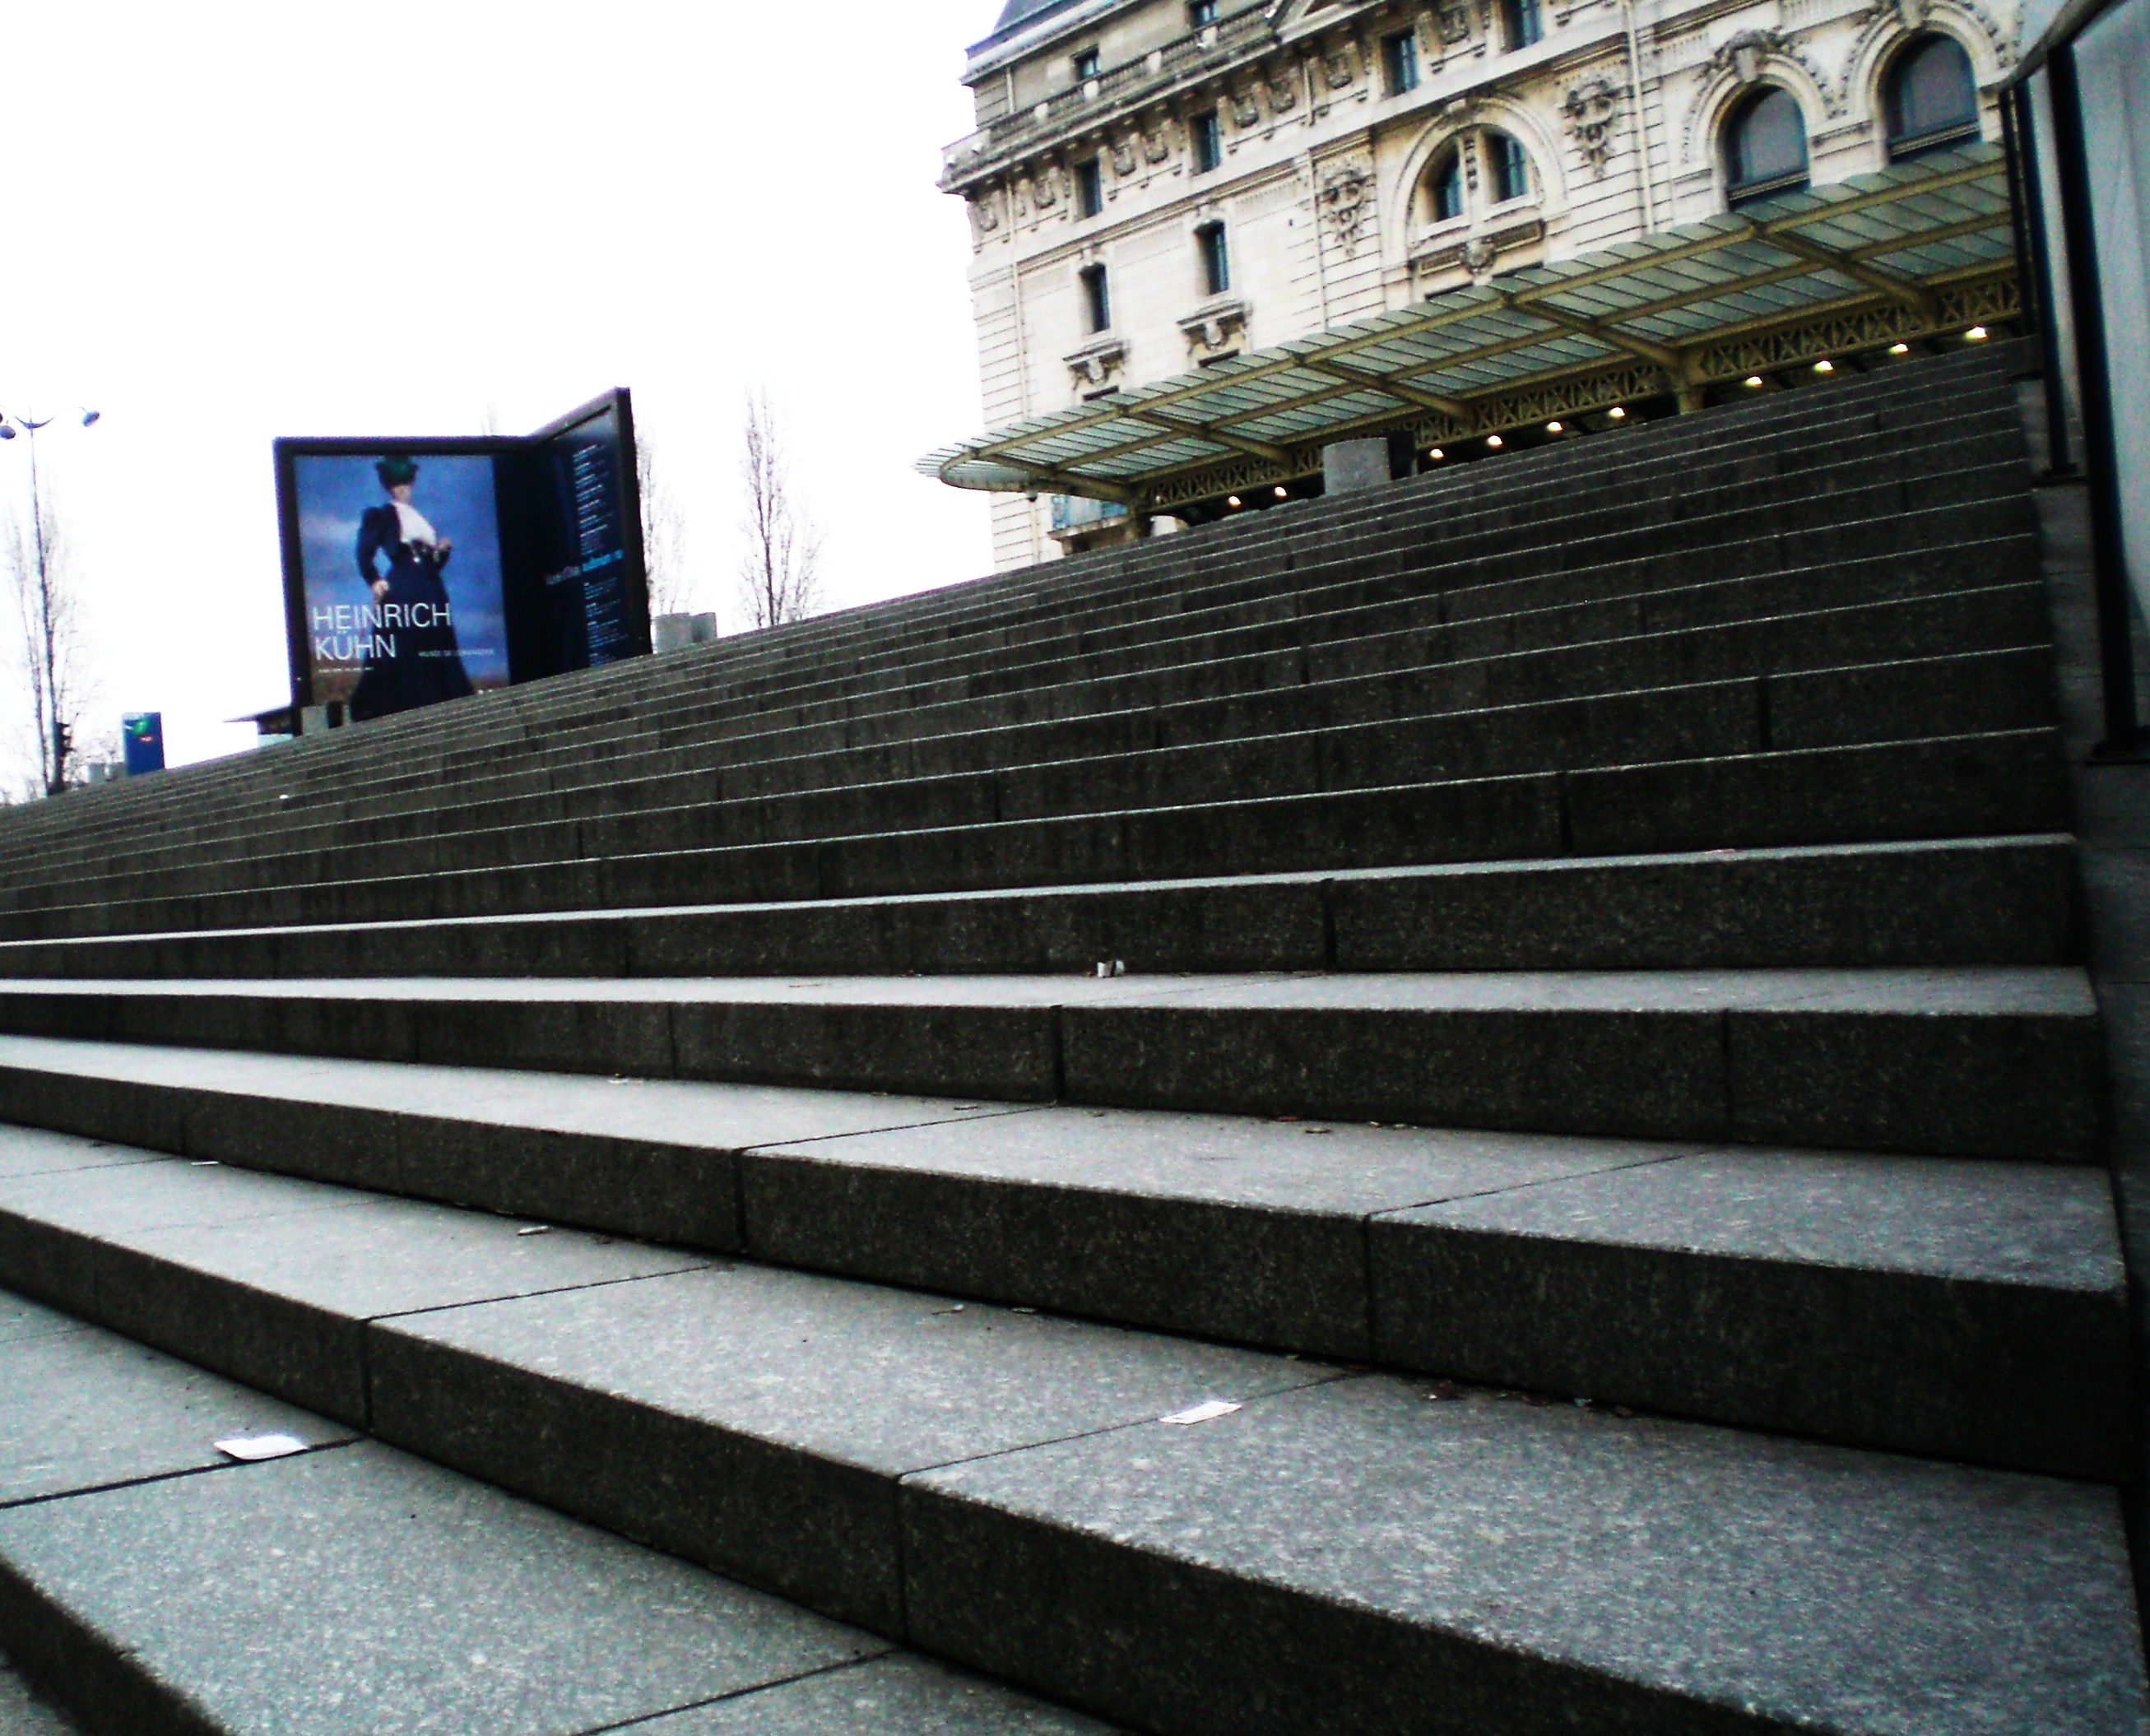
[[1283, 89], [1346, 190], [1246, 107], [1157, 146], [1747, 53], [1123, 156], [1454, 21], [1478, 254], [1337, 69], [1044, 187], [985, 211], [1097, 364], [1218, 328], [1592, 107]]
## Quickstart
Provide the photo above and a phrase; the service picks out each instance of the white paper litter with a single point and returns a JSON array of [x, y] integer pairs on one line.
[[250, 1449], [1209, 1411], [536, 1230]]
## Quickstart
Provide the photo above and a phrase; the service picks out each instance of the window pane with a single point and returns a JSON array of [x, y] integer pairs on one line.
[[1097, 298], [1448, 187], [1400, 58], [1932, 91], [1201, 13], [1089, 188], [1768, 142], [1216, 263], [1525, 26], [1208, 146], [1512, 168]]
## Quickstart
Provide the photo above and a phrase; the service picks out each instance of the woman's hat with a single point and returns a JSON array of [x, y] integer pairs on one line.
[[395, 469]]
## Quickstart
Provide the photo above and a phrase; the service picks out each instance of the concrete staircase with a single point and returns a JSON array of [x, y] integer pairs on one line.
[[1576, 1202]]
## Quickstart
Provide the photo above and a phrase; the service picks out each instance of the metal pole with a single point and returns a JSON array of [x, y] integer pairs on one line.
[[2033, 305], [2058, 462], [2094, 389]]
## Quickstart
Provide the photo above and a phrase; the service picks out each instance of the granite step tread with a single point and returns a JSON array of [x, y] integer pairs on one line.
[[518, 713], [850, 712], [1979, 691], [1943, 787], [1341, 1552], [2001, 621], [1983, 901], [1996, 1061], [157, 1584], [1968, 1308]]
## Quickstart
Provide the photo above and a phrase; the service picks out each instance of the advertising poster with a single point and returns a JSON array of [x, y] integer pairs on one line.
[[417, 571], [402, 580]]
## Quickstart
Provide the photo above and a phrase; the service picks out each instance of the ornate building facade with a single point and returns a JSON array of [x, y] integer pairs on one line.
[[1157, 184]]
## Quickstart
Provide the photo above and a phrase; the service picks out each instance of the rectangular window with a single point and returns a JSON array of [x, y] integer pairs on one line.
[[1096, 298], [1216, 262], [1200, 13], [1524, 24], [1089, 188], [1400, 61], [1086, 65], [1512, 169], [1209, 141]]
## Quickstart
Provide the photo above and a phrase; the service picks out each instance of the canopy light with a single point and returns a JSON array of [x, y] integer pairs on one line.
[[1976, 334], [1231, 500], [1553, 427], [1616, 413], [1900, 348], [1825, 366], [1493, 440], [1283, 492], [1435, 453], [1753, 379]]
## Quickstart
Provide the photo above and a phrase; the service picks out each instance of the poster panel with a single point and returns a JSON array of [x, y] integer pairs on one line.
[[400, 576]]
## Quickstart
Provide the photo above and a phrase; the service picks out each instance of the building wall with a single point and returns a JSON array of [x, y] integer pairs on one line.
[[1322, 188], [2112, 61]]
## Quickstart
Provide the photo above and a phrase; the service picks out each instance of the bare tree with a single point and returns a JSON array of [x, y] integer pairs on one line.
[[780, 571], [663, 534], [46, 624]]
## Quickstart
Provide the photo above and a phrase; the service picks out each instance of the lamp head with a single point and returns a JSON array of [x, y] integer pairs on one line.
[[6, 431], [90, 416]]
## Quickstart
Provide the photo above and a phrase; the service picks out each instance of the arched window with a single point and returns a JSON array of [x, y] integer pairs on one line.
[[1509, 165], [1932, 99], [1765, 146], [1444, 185]]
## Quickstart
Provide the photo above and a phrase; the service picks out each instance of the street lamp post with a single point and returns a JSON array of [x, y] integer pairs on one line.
[[62, 738]]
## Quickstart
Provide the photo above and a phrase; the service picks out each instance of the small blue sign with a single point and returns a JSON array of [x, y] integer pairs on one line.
[[144, 734]]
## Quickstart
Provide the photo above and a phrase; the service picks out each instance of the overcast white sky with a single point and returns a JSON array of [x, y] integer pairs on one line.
[[229, 222]]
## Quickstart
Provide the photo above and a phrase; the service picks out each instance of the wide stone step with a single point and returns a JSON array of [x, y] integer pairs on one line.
[[1994, 1061], [1898, 404], [1997, 901], [1972, 1310], [1651, 634], [1437, 672], [1978, 495], [1180, 1535], [1986, 691], [1955, 786], [158, 1584]]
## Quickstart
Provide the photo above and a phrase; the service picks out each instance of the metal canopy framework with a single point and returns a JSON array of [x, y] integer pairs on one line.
[[1919, 250]]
